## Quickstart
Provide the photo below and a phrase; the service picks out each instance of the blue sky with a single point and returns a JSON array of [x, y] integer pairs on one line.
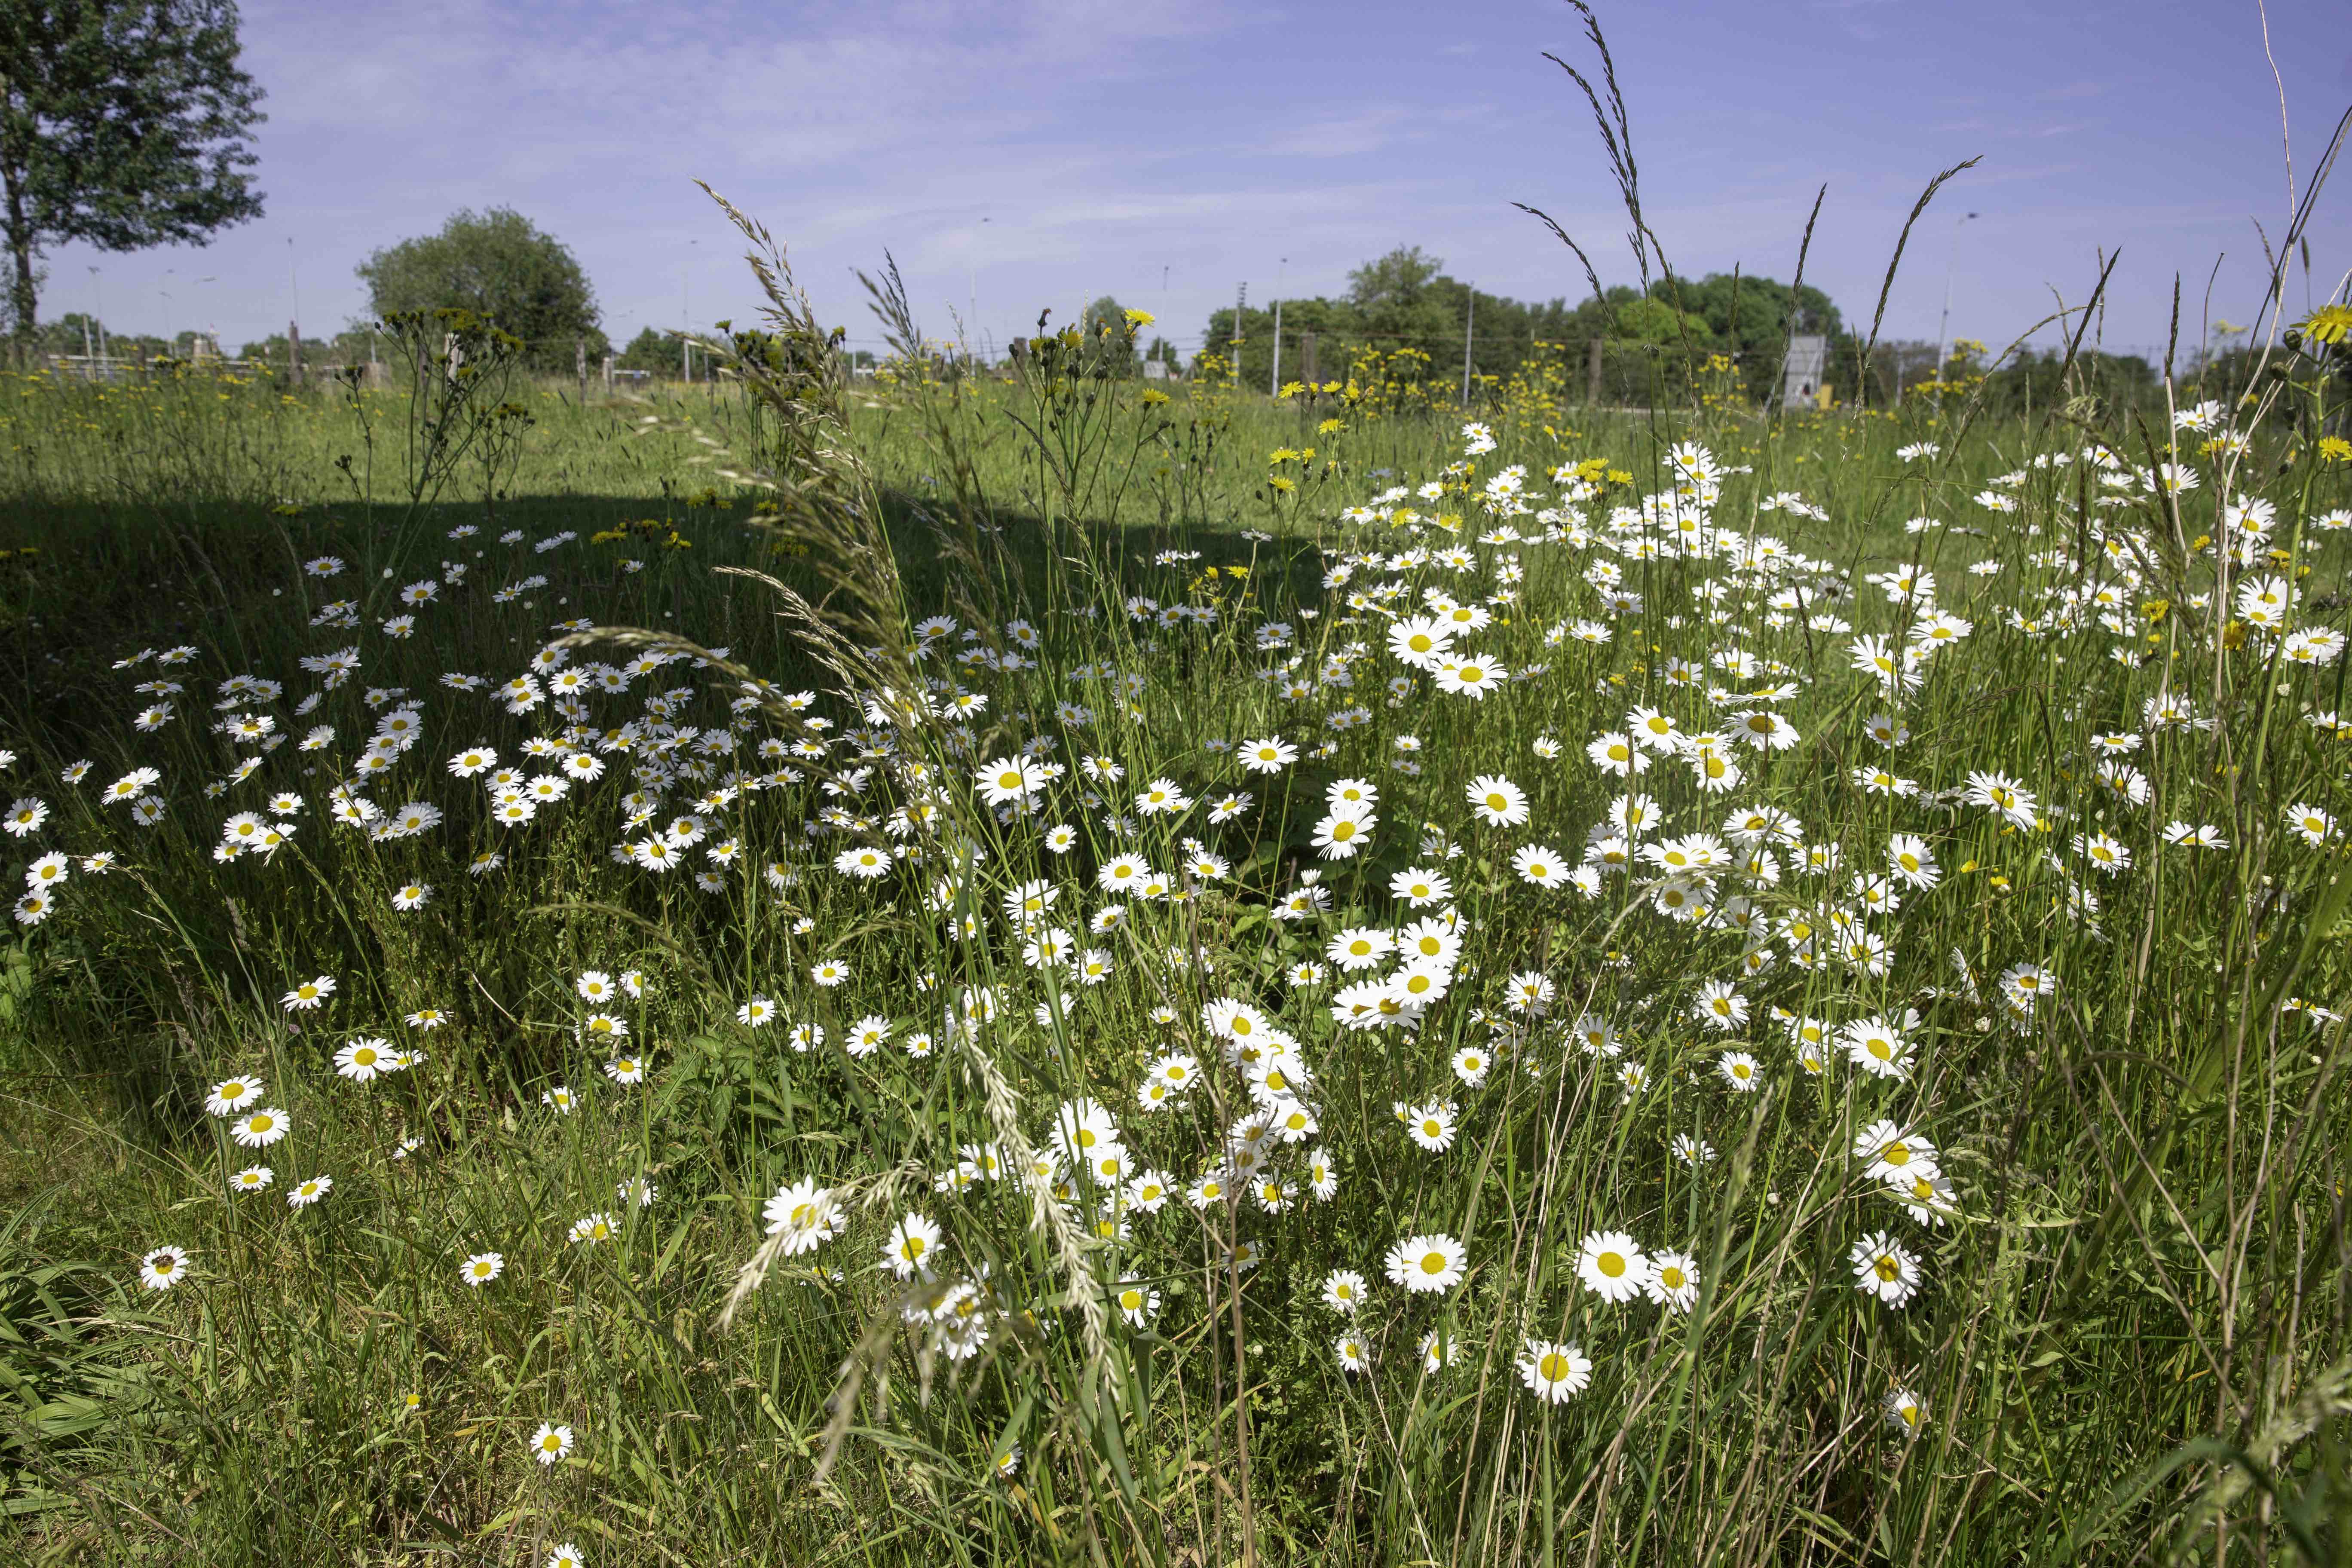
[[1040, 152]]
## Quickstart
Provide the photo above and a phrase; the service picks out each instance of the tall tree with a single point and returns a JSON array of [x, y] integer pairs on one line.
[[497, 264], [122, 123], [1108, 337], [652, 351]]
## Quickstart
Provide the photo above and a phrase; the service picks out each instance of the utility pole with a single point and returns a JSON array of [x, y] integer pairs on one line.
[[1942, 324], [1241, 303], [1469, 320], [1274, 378], [972, 318]]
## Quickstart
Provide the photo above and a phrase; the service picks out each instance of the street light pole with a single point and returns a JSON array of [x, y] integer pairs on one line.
[[1944, 324]]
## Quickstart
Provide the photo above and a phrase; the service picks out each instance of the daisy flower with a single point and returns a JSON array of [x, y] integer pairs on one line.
[[1427, 1263], [804, 1215], [1611, 1266], [1497, 802], [163, 1268], [1674, 1280], [1885, 1268], [1539, 867], [1905, 1412], [259, 1130], [361, 1060], [232, 1095], [1876, 1046], [1432, 1127], [308, 996], [913, 1242], [1741, 1071], [1553, 1371]]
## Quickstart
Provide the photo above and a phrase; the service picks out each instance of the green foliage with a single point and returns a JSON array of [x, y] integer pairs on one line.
[[1105, 323], [123, 123], [1654, 321], [502, 267], [353, 345], [1400, 301], [652, 351], [1404, 307], [1750, 313]]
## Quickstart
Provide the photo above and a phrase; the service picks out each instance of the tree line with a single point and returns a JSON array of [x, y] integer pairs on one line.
[[1406, 302]]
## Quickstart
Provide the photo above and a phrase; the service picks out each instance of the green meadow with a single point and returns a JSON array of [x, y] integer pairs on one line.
[[1036, 966]]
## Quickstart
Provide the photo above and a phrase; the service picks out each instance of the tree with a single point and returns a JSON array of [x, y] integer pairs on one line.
[[353, 345], [1109, 335], [1750, 312], [122, 123], [497, 264], [652, 351], [1396, 281], [1653, 320], [1404, 314]]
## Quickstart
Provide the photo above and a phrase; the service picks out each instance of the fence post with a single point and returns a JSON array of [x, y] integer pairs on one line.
[[580, 364], [608, 376], [1592, 373]]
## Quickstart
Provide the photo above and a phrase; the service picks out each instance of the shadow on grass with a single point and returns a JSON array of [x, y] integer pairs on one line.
[[102, 580]]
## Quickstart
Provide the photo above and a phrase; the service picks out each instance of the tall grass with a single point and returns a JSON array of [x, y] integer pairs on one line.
[[2129, 1332]]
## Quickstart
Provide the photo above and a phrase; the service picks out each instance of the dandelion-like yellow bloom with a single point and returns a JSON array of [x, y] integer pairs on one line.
[[2329, 324]]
